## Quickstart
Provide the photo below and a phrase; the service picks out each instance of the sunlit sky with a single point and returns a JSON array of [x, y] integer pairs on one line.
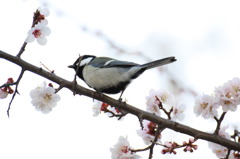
[[203, 35]]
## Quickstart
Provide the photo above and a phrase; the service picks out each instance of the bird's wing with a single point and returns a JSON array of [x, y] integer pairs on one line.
[[108, 62]]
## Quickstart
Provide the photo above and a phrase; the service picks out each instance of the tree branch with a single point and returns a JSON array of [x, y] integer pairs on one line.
[[123, 106]]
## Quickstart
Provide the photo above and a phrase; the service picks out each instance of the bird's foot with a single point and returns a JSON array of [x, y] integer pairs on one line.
[[120, 100], [99, 93]]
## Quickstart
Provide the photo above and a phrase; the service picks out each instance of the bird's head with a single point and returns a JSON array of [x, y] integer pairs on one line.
[[82, 61]]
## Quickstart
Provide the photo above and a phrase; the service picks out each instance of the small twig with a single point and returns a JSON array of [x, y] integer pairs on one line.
[[236, 136], [22, 49], [144, 149], [120, 115], [8, 84], [219, 121], [168, 113], [140, 120], [228, 153], [58, 89], [16, 91], [159, 129], [46, 68]]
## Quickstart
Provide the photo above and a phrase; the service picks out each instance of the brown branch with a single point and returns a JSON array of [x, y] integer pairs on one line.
[[126, 107]]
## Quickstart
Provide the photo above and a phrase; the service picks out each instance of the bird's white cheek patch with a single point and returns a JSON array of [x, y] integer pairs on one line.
[[85, 61]]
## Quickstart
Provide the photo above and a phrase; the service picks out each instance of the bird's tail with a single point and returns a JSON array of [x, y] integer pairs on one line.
[[158, 63]]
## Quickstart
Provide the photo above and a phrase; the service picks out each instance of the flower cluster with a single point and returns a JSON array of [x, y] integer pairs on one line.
[[39, 28], [220, 151], [171, 146], [6, 89], [162, 100], [226, 96], [189, 146], [206, 106], [148, 132], [122, 150], [44, 98], [104, 107]]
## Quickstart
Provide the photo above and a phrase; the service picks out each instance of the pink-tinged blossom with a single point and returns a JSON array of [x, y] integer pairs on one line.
[[190, 147], [229, 95], [156, 98], [39, 32], [122, 150], [148, 132], [43, 13], [44, 98], [5, 90], [169, 148], [99, 107], [206, 106], [3, 93]]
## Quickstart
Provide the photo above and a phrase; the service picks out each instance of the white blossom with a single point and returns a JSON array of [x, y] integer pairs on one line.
[[159, 97], [229, 95], [206, 106], [219, 150], [44, 98], [148, 132], [122, 150], [222, 132], [178, 112], [97, 108], [39, 32], [44, 13]]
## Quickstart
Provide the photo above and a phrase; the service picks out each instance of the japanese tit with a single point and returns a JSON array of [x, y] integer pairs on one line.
[[107, 75]]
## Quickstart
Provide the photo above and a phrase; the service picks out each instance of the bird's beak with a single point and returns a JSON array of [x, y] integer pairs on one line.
[[71, 66]]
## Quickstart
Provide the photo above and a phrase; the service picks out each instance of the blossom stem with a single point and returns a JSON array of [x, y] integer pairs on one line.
[[219, 121], [22, 49]]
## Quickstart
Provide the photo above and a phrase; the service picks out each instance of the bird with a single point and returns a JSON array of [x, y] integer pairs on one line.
[[111, 76]]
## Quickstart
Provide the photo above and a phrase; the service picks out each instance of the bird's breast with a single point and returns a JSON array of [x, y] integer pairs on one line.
[[104, 78]]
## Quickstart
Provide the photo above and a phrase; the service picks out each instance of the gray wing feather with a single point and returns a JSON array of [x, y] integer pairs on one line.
[[104, 62]]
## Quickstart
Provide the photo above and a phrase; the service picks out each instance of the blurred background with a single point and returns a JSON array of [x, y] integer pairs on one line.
[[203, 35]]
